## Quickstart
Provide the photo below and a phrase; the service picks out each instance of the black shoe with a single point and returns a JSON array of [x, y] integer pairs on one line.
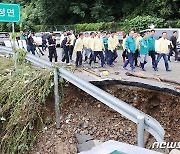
[[155, 69], [168, 70]]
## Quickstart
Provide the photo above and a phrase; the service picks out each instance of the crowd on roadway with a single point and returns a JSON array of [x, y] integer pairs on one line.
[[103, 45]]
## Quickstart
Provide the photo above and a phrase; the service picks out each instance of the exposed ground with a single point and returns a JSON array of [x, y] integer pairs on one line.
[[85, 115]]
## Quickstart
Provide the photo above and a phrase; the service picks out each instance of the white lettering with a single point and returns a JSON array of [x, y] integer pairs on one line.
[[2, 12], [178, 145], [168, 145], [171, 145], [157, 145], [10, 12], [162, 145]]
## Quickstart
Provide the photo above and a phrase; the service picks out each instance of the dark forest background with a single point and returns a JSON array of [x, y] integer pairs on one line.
[[51, 13]]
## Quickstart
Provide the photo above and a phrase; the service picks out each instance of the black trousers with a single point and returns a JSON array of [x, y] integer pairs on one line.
[[136, 57], [96, 53], [71, 48], [153, 57], [78, 58], [52, 52], [171, 51], [66, 55]]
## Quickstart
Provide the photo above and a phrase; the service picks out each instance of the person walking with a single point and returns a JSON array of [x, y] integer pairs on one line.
[[91, 43], [144, 51], [78, 48], [52, 48], [130, 47], [63, 35], [124, 53], [136, 55], [44, 42], [163, 51], [71, 47], [112, 45], [66, 44], [173, 46], [30, 43], [106, 51], [86, 49], [98, 49], [49, 36], [151, 47]]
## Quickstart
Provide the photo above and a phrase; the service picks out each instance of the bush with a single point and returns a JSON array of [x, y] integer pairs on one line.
[[173, 23], [39, 28], [178, 23], [141, 22], [97, 26]]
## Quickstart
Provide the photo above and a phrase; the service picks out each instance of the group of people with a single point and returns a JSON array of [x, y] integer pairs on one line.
[[134, 46], [103, 45], [89, 47]]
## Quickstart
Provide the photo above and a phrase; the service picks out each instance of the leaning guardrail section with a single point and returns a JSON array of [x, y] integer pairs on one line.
[[143, 121]]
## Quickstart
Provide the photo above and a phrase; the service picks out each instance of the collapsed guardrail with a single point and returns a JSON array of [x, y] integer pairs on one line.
[[142, 120]]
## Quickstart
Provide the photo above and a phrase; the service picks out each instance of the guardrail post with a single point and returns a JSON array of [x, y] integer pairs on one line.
[[15, 60], [140, 130], [57, 99]]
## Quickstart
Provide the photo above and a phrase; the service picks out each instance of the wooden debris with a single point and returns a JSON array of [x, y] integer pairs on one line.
[[151, 77]]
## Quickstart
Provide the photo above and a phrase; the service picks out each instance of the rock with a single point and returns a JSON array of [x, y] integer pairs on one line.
[[97, 142], [80, 125], [85, 124], [135, 99], [97, 133], [86, 132], [48, 143], [73, 149], [102, 139], [59, 132], [85, 146], [118, 134], [67, 121], [99, 105], [81, 132], [111, 132], [70, 140], [83, 138], [91, 132], [94, 129]]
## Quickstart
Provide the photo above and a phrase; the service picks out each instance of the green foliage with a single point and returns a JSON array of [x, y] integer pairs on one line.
[[97, 26], [21, 55], [62, 12], [13, 36], [39, 28], [178, 23], [6, 65], [141, 22], [172, 23], [22, 97]]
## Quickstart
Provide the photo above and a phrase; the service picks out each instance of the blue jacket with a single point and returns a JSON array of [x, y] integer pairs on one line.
[[151, 43], [130, 44], [143, 46], [105, 41]]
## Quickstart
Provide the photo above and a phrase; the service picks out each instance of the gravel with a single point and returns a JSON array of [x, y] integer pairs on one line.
[[83, 114]]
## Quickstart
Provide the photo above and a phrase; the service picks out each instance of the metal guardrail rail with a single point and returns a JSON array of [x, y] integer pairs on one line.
[[142, 120]]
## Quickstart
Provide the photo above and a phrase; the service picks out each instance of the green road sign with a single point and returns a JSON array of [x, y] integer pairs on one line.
[[9, 12]]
